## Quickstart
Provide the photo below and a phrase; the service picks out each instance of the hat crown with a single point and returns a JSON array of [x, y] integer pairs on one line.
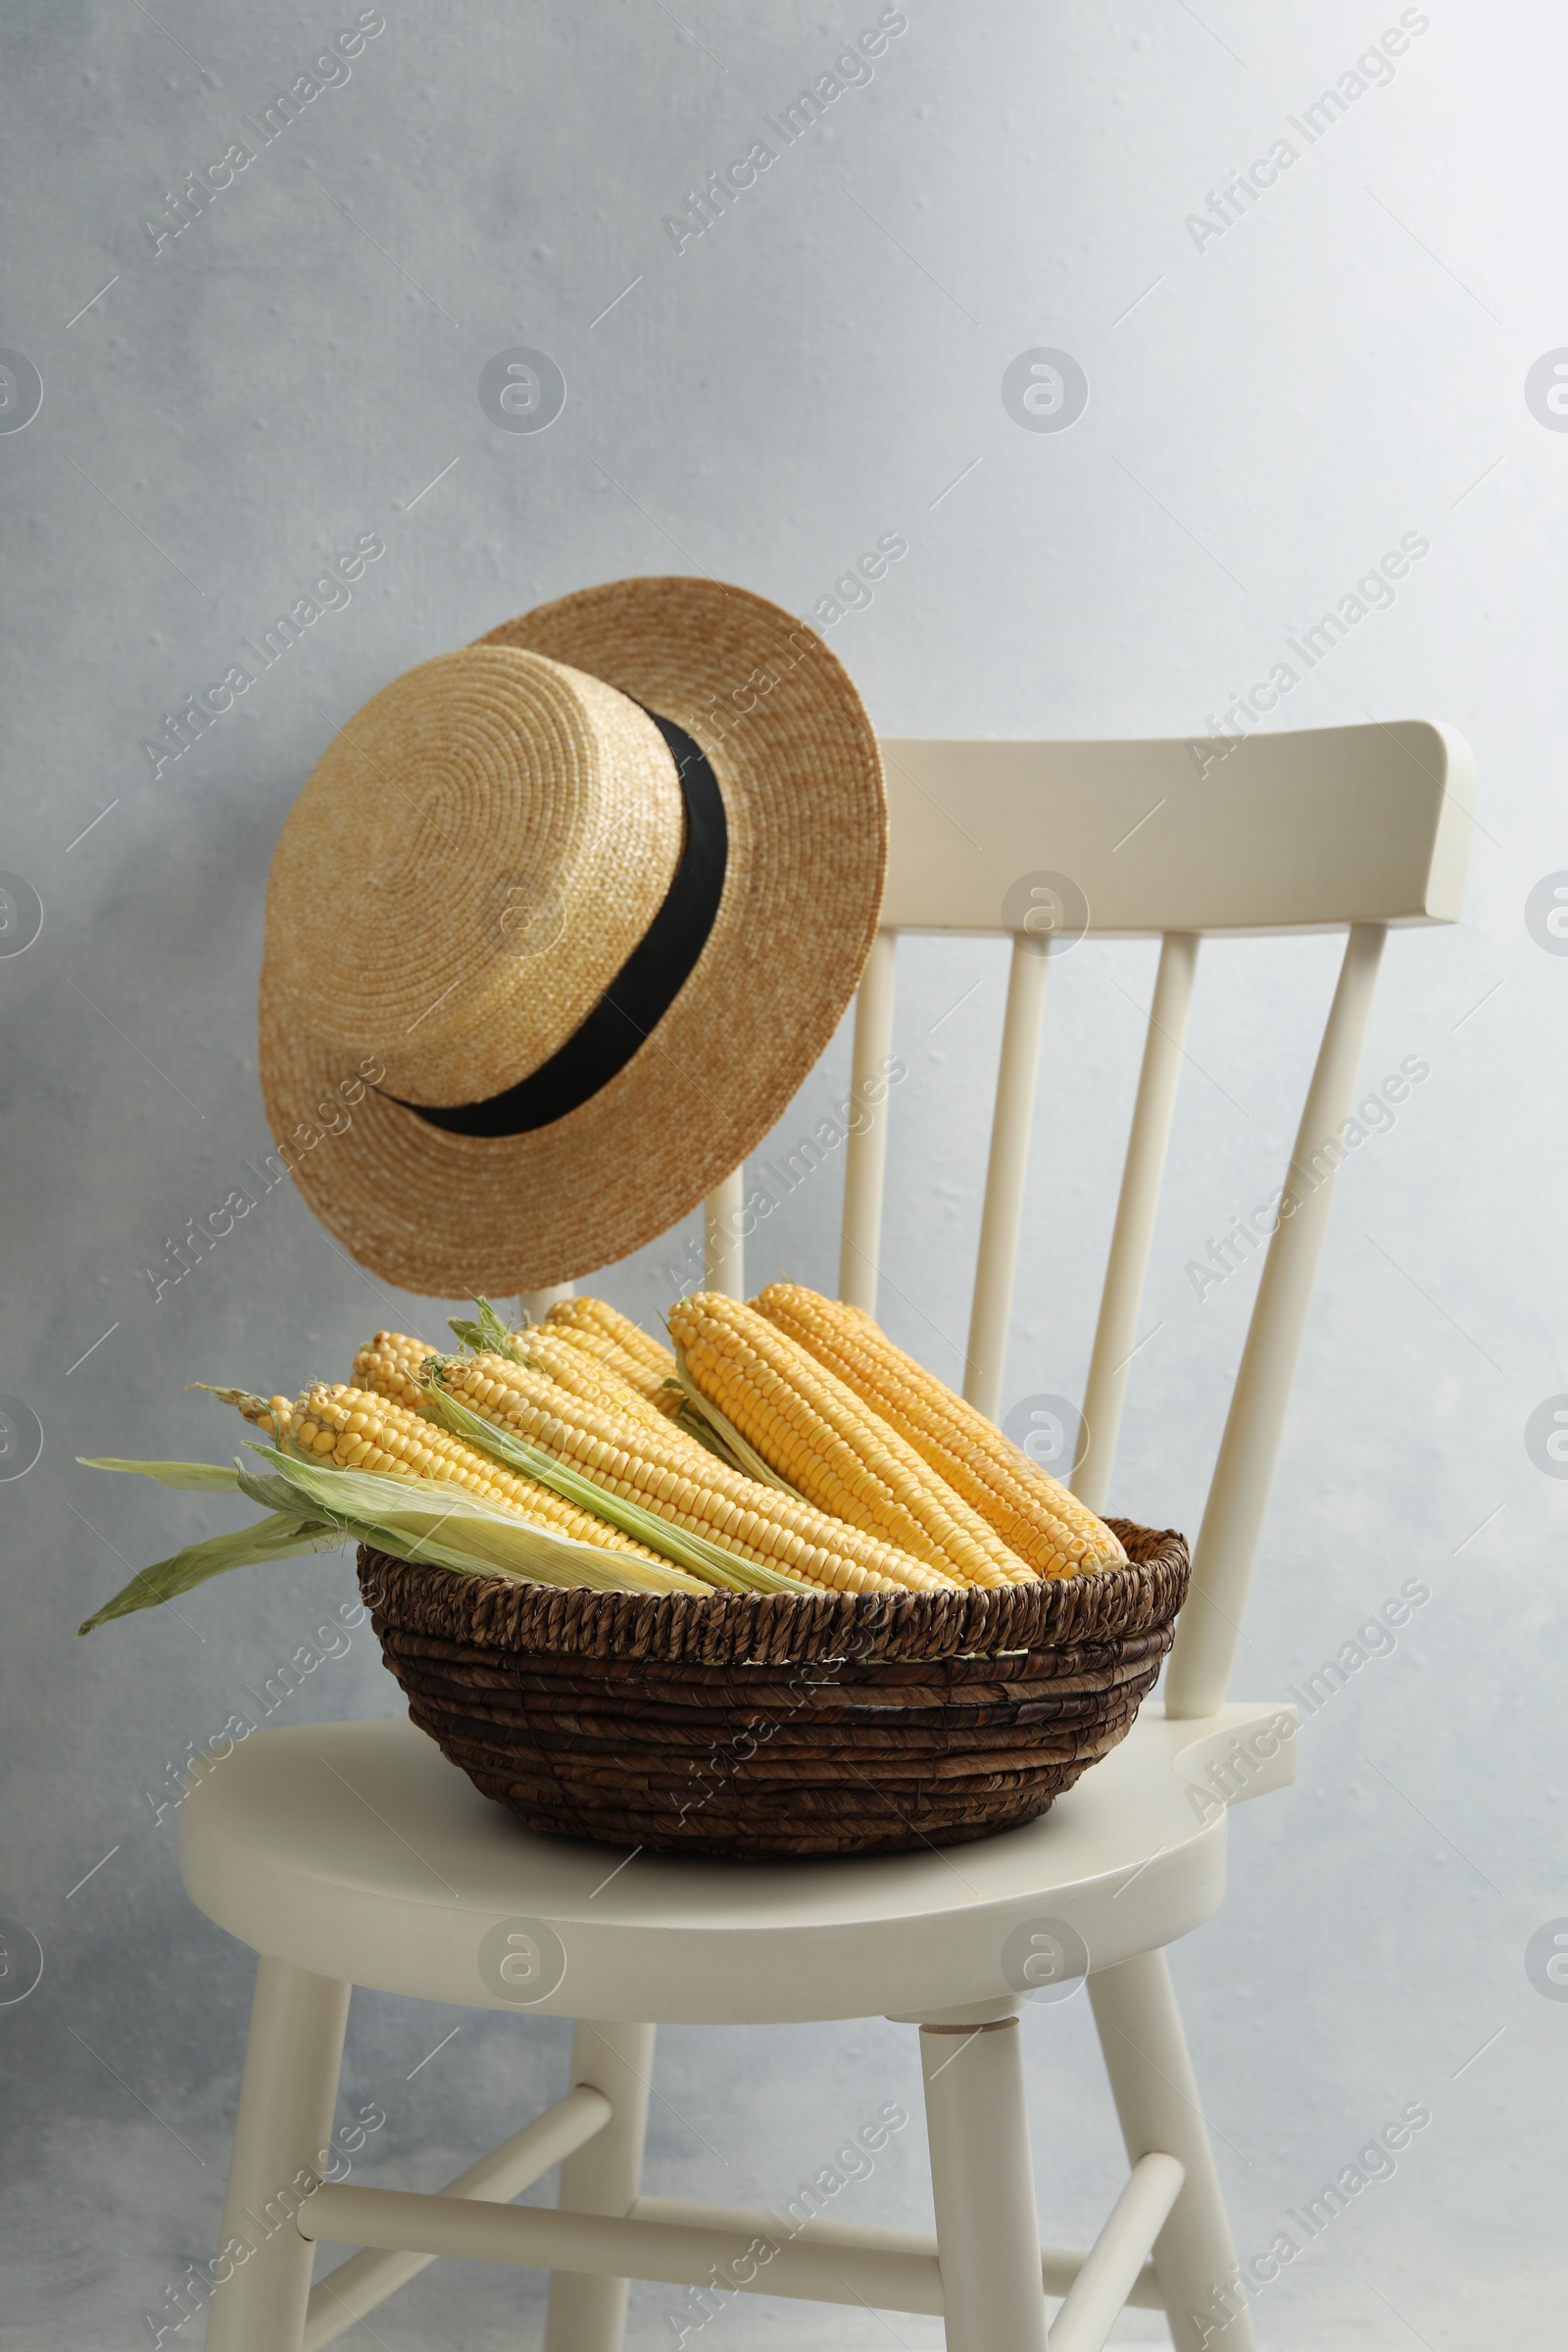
[[473, 858]]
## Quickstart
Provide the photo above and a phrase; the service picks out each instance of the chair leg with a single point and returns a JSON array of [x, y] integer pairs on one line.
[[589, 2314], [983, 2186], [1156, 2099], [282, 2136]]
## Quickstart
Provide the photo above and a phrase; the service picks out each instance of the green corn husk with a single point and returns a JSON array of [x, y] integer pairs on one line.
[[316, 1506], [281, 1536], [701, 1554], [430, 1519], [169, 1474], [487, 1335], [289, 1529], [694, 1424]]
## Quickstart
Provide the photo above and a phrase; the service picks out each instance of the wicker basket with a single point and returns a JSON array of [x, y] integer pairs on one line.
[[752, 1725]]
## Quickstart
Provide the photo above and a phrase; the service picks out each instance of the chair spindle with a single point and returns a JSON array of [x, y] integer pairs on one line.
[[1116, 1334], [867, 1151], [1003, 1215], [1209, 1626]]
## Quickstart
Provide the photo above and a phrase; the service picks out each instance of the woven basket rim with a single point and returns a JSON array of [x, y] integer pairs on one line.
[[1106, 1605]]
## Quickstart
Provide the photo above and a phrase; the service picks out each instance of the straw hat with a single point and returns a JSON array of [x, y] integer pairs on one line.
[[567, 917]]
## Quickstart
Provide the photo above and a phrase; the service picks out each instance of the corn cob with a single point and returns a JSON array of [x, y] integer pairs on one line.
[[588, 1376], [1032, 1511], [594, 1347], [389, 1364], [813, 1430], [670, 1474], [597, 1314], [601, 1330], [598, 1381], [355, 1429]]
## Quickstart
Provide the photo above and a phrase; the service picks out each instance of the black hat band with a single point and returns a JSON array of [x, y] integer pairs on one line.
[[642, 991]]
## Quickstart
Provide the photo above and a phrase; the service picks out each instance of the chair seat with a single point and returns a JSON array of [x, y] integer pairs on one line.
[[357, 1851]]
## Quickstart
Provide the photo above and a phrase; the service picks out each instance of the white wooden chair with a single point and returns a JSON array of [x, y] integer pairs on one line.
[[356, 1855]]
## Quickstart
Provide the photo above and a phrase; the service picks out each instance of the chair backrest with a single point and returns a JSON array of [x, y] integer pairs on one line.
[[1364, 827]]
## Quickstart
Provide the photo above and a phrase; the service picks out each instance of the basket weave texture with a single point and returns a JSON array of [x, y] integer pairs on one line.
[[752, 1725]]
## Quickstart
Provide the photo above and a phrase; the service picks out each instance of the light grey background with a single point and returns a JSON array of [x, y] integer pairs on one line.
[[1266, 414]]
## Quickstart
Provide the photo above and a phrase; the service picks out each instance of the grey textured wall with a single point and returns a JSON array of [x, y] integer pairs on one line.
[[1271, 403]]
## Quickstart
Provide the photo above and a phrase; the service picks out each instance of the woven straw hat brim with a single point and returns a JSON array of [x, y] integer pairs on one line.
[[796, 762]]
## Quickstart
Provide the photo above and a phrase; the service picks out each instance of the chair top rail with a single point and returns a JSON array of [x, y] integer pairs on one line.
[[1278, 832]]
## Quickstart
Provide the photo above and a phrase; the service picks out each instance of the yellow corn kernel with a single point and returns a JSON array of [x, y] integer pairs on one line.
[[834, 1448], [599, 1316], [355, 1429], [652, 1384], [389, 1364], [673, 1475], [587, 1374], [1028, 1508]]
